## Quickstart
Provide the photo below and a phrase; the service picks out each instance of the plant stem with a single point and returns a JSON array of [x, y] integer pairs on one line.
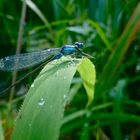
[[19, 43]]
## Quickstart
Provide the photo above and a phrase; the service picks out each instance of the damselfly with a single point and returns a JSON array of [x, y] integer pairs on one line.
[[26, 60]]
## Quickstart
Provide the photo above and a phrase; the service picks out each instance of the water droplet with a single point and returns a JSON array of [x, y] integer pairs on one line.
[[71, 64], [56, 74], [65, 96], [32, 85], [138, 67], [93, 66], [41, 102]]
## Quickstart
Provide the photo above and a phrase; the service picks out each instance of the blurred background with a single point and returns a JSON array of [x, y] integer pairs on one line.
[[110, 31]]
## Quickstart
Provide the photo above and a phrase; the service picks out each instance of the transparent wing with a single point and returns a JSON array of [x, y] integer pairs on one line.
[[23, 61]]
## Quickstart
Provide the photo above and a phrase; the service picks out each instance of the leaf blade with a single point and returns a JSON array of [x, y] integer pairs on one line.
[[42, 111], [88, 75]]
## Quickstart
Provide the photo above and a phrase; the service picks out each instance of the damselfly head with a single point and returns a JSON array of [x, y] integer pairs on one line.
[[79, 45]]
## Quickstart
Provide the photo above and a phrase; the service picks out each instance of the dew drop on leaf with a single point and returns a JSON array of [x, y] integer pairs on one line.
[[32, 85], [64, 96], [41, 102], [64, 77], [71, 64], [56, 74]]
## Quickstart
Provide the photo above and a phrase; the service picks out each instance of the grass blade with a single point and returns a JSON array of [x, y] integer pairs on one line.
[[110, 71], [42, 111], [101, 33], [34, 7], [1, 132], [88, 75]]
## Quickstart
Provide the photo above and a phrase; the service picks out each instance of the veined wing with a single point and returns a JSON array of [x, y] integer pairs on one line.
[[25, 60]]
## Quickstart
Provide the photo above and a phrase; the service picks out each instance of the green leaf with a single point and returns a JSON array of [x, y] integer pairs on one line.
[[79, 29], [1, 132], [88, 75], [112, 69], [85, 131], [42, 112], [35, 8], [101, 33]]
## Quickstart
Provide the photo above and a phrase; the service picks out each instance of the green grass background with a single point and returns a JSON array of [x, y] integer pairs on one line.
[[110, 31]]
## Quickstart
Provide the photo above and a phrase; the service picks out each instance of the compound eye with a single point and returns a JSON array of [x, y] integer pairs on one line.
[[79, 45], [76, 43]]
